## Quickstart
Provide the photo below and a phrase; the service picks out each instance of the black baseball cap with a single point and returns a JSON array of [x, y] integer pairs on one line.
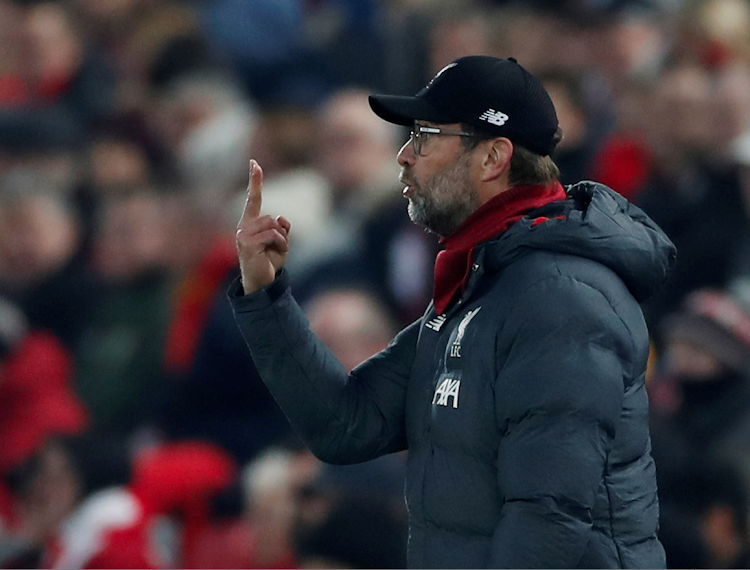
[[495, 95]]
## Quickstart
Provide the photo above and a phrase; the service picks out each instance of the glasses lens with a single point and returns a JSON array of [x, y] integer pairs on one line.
[[416, 142]]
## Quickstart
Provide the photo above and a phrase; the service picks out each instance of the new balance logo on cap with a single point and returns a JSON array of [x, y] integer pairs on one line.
[[495, 117]]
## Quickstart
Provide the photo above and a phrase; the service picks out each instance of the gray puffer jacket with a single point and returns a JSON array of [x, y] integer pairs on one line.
[[523, 408]]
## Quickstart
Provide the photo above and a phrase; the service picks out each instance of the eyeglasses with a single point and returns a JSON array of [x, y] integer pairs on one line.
[[421, 133]]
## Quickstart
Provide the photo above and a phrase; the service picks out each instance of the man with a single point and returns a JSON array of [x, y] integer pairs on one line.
[[520, 393]]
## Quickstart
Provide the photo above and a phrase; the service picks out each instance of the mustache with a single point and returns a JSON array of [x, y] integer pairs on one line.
[[405, 179]]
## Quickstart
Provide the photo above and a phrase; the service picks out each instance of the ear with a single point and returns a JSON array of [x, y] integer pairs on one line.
[[496, 161]]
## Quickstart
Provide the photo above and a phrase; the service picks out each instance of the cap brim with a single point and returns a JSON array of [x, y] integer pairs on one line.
[[403, 110]]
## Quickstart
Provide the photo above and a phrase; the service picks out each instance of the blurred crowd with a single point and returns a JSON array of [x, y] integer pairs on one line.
[[134, 431]]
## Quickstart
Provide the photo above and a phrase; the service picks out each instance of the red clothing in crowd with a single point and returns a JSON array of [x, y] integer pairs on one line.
[[128, 527], [36, 398]]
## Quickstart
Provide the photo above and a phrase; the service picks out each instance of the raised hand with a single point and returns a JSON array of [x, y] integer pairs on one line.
[[262, 241]]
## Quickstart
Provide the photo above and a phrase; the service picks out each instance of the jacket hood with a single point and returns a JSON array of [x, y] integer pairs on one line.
[[594, 222]]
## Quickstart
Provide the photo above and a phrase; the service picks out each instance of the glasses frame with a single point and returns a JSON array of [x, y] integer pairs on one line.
[[417, 136]]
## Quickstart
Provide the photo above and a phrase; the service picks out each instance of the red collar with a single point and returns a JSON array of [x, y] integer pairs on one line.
[[453, 264]]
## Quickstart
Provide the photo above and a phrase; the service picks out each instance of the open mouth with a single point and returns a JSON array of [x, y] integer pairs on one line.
[[409, 187]]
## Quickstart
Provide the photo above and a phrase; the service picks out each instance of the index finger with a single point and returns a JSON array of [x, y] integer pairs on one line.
[[254, 187]]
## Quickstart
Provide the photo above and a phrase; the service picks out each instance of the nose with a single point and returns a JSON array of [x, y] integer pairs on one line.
[[406, 155]]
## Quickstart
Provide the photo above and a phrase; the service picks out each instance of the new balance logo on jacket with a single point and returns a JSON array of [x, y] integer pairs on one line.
[[436, 324]]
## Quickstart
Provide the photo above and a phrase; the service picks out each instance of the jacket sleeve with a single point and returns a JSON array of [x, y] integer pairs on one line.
[[564, 356], [342, 417]]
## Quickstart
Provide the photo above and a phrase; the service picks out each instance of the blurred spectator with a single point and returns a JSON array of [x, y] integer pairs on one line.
[[266, 44], [701, 417], [351, 322], [398, 260], [101, 100], [37, 403], [624, 160], [582, 129], [12, 89], [41, 263], [151, 520], [52, 69], [40, 232], [303, 513], [702, 391], [352, 516], [713, 32], [282, 139], [147, 43], [119, 158], [50, 484], [457, 31], [632, 38], [42, 140], [367, 238], [732, 107], [355, 155], [704, 514], [37, 396], [739, 272], [221, 398], [355, 532], [210, 389], [207, 123], [182, 479], [271, 484], [692, 196], [346, 37], [61, 69], [203, 262], [119, 357]]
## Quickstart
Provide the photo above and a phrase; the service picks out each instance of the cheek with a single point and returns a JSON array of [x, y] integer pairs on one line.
[[444, 185]]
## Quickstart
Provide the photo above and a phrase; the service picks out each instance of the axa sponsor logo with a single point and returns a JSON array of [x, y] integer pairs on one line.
[[447, 393]]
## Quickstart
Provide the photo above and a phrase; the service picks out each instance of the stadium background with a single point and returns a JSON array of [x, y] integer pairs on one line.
[[133, 428]]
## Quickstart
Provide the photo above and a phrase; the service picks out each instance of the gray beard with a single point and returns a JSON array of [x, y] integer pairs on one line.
[[446, 200]]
